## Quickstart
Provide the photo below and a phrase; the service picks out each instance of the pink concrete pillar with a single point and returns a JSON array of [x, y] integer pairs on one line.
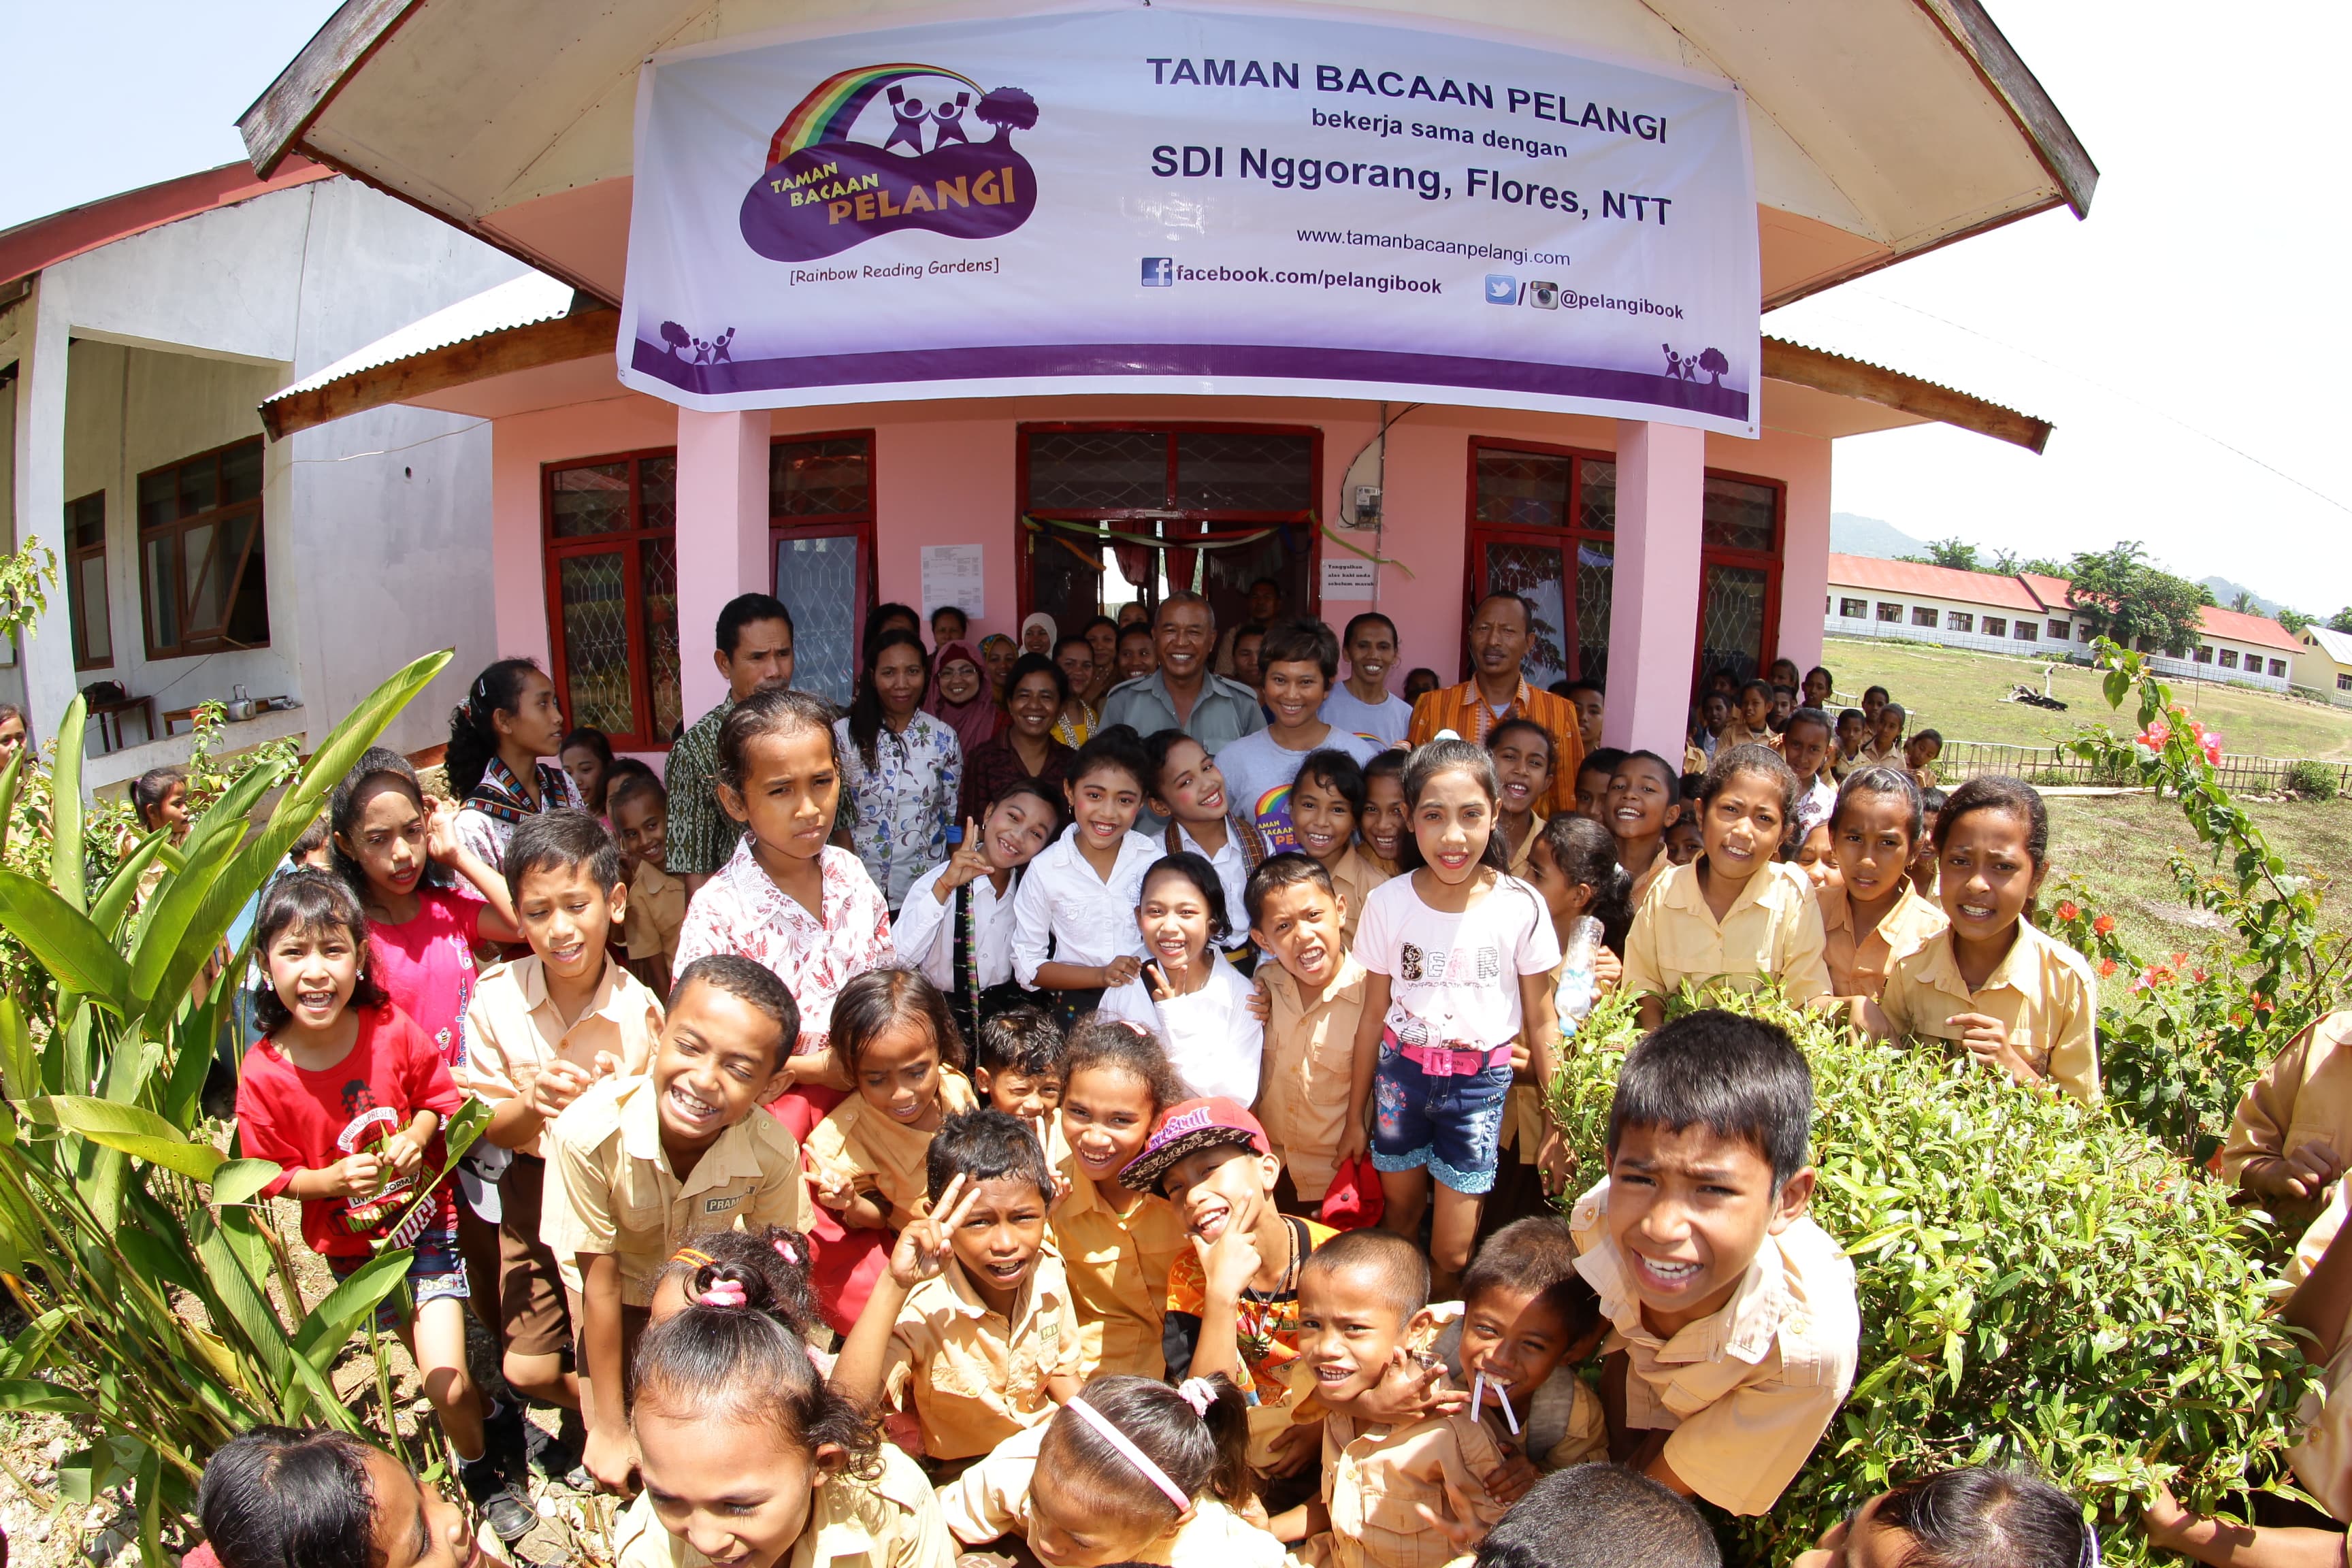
[[1654, 600], [722, 536], [1805, 551]]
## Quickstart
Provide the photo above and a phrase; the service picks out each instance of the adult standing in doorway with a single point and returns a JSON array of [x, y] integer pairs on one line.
[[1501, 627], [1102, 636], [1183, 694], [1266, 607], [754, 652]]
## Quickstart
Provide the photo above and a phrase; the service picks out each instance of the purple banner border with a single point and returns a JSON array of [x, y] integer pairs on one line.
[[1038, 360]]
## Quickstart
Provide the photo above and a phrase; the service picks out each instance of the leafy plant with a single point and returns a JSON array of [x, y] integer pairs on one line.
[[132, 1242], [26, 575], [2311, 780], [2038, 1283]]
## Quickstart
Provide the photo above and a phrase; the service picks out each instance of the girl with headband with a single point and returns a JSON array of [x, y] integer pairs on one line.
[[1131, 1470]]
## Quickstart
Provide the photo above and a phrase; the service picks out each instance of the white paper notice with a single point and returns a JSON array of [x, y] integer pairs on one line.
[[951, 575], [1348, 577]]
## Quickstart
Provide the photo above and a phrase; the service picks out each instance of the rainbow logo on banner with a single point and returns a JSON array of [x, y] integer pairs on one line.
[[823, 192]]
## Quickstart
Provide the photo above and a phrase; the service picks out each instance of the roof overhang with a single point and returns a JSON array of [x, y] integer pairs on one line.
[[43, 242], [1883, 128], [531, 343]]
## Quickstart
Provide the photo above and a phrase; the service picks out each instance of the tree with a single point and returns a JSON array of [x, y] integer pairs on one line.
[[2041, 567], [1715, 364], [2129, 598], [2243, 602], [2341, 621], [2294, 620], [1009, 110], [2204, 595], [1954, 553]]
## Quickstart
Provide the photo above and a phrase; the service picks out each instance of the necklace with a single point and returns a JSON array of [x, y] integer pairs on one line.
[[1261, 1315]]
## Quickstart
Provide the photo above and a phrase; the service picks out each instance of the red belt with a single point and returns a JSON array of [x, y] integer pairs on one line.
[[1449, 1062]]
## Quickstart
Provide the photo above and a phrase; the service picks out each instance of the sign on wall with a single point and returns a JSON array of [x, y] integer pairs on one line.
[[1168, 199]]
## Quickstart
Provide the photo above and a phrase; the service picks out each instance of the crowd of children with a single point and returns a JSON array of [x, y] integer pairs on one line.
[[1169, 1192]]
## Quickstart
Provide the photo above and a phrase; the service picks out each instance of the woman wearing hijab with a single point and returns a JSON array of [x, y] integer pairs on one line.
[[1038, 633], [961, 698]]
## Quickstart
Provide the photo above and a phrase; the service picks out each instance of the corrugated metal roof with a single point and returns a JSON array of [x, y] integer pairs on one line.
[[2336, 645], [1931, 582], [518, 302]]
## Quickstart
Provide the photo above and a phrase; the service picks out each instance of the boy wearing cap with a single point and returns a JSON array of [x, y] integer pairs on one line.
[[1233, 1298]]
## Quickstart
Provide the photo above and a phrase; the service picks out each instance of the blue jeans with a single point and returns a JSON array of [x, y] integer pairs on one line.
[[1450, 1124]]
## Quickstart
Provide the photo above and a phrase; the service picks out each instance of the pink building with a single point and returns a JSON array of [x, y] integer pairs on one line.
[[620, 523]]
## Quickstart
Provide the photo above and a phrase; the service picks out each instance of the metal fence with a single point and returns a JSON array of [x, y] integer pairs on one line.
[[2052, 765]]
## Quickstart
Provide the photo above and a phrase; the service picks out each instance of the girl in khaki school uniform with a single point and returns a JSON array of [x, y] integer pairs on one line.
[[729, 1409], [1871, 915], [2007, 997]]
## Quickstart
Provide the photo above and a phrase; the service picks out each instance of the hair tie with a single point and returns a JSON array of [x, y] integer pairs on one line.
[[690, 1254], [1199, 1393], [786, 1250], [2090, 1545], [1133, 1454], [725, 1293]]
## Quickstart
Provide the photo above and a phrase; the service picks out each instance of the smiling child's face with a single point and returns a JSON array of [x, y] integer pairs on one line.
[[1523, 765], [1688, 1210], [719, 1058], [1322, 818], [1173, 916], [897, 1074], [1516, 1339], [1349, 1329], [1452, 822], [1805, 747], [1104, 804], [1000, 1238], [734, 1490], [1640, 801], [641, 828], [1018, 826], [567, 917], [1106, 1120], [1383, 827], [1191, 786], [314, 969], [1030, 1096], [1224, 1186]]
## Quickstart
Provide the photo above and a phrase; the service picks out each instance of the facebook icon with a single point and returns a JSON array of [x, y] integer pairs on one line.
[[1159, 271], [1502, 288]]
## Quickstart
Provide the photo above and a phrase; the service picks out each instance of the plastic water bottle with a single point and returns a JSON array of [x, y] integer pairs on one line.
[[1578, 983]]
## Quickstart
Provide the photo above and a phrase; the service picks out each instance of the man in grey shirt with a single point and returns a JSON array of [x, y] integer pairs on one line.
[[1183, 693]]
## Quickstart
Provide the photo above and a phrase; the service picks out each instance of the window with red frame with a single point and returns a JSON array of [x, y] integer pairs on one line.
[[1740, 530], [1543, 525], [203, 573], [1096, 492], [611, 585], [821, 536]]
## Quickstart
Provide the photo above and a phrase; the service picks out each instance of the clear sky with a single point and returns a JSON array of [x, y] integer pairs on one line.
[[2190, 340]]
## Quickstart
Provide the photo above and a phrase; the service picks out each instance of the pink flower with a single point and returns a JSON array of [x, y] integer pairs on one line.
[[2152, 739], [2211, 741], [2069, 910], [2104, 925]]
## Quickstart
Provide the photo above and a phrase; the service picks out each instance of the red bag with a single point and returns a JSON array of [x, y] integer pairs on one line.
[[1354, 1199]]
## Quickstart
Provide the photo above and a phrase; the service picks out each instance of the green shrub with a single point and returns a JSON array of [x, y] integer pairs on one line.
[[2311, 780], [2038, 1283]]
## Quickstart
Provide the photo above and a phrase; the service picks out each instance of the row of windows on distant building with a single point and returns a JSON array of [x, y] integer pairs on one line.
[[1928, 618]]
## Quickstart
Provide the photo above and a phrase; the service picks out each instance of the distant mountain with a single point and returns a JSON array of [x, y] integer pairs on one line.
[[1853, 534], [2224, 591]]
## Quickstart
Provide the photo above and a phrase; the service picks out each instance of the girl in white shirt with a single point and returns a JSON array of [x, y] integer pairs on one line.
[[1458, 1000], [1196, 1003], [1074, 931], [956, 925]]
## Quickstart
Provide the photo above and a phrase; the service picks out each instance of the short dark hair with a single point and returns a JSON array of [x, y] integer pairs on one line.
[[1981, 1517], [629, 776], [955, 610], [561, 840], [1527, 606], [1184, 596], [1196, 870], [1763, 762], [151, 788], [1997, 792], [874, 1003], [1583, 683], [1113, 746], [1400, 1269], [1599, 1516], [1073, 639], [1029, 664], [1022, 1040], [1740, 1077], [1524, 726], [1286, 869], [1930, 734], [743, 610], [1336, 770], [1879, 690], [1932, 802], [1300, 642], [779, 711], [273, 1496], [1812, 716], [1665, 769], [986, 1145], [307, 899], [1348, 635], [1535, 1257], [1602, 759], [746, 981], [1135, 629], [1881, 778]]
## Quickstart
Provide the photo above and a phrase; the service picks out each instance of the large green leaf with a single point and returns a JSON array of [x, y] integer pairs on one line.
[[164, 933], [330, 1322], [132, 1129], [297, 809], [20, 1064], [244, 1307], [29, 1394], [65, 806], [106, 910], [12, 779], [239, 1181], [65, 940]]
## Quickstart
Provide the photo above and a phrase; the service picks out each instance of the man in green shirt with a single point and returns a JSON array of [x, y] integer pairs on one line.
[[754, 653]]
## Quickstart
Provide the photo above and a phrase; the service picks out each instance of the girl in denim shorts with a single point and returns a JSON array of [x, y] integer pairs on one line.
[[1460, 955]]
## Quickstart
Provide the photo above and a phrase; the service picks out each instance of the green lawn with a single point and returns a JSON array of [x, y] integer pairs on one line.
[[1959, 693], [2114, 848]]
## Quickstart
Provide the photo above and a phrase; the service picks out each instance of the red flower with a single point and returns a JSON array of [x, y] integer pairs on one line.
[[2152, 739], [2106, 968], [2069, 910], [2261, 1003], [2104, 925], [2211, 741]]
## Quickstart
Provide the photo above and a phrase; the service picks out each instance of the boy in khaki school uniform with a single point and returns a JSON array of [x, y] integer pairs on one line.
[[636, 1165], [639, 808], [1735, 1327], [1314, 997], [540, 1030]]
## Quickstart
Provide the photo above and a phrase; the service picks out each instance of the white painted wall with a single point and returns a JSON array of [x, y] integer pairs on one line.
[[377, 527]]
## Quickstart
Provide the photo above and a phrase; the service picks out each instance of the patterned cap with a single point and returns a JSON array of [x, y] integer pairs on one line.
[[1189, 1125]]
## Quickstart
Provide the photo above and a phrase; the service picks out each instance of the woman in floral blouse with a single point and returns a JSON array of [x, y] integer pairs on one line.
[[904, 768]]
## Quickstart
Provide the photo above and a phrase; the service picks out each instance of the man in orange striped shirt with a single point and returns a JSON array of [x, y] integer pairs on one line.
[[1501, 630]]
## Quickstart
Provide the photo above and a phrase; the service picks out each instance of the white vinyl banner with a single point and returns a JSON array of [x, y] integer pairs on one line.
[[1193, 199]]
